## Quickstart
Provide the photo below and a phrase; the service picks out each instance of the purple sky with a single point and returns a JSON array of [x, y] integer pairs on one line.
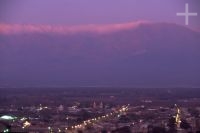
[[39, 47], [95, 11]]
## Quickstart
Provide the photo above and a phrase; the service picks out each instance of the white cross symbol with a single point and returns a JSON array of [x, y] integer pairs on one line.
[[187, 14]]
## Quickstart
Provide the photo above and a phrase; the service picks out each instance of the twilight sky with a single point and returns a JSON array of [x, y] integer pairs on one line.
[[95, 11], [60, 43]]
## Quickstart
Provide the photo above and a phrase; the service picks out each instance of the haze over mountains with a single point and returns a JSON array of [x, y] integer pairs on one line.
[[134, 55]]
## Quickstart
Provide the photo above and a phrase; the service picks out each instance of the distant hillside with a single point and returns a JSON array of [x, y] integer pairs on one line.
[[146, 55]]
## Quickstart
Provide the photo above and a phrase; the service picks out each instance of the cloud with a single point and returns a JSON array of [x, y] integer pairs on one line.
[[149, 55], [65, 29]]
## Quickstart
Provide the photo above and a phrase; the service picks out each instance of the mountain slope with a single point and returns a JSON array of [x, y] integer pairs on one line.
[[148, 55]]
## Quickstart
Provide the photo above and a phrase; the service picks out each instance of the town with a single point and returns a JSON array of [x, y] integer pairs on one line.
[[100, 110]]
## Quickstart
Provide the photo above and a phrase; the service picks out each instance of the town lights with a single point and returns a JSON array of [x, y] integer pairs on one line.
[[26, 124], [6, 131], [93, 120]]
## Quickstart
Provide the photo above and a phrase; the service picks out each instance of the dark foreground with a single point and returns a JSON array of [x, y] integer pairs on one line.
[[100, 109]]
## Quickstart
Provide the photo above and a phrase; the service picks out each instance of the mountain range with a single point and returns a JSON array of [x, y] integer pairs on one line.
[[133, 55]]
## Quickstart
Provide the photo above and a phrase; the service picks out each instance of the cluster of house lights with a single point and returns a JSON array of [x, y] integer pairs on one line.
[[93, 120]]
